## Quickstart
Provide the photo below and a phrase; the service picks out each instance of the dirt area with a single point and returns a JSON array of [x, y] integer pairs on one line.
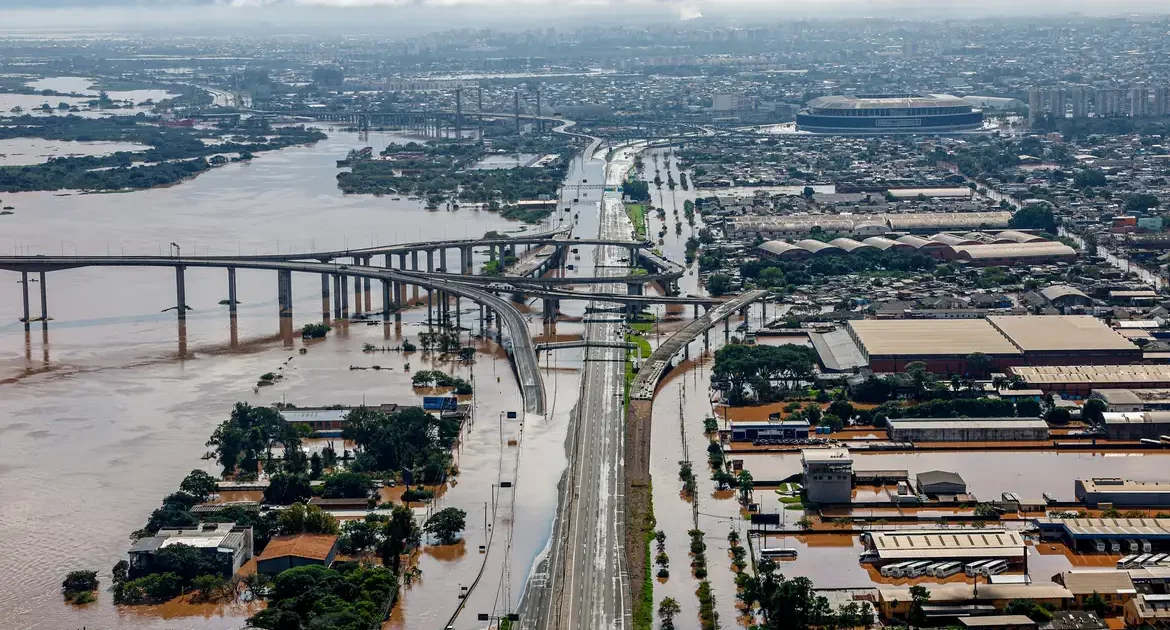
[[637, 469]]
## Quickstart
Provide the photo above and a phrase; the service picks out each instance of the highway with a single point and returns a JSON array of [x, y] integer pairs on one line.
[[585, 583], [520, 349]]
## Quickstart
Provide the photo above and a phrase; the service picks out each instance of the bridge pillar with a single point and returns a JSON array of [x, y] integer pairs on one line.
[[695, 311], [633, 256], [430, 261], [369, 293], [357, 293], [385, 300], [430, 304], [727, 330], [284, 293], [633, 288], [399, 298], [336, 296], [413, 260], [706, 341], [465, 261], [180, 294], [458, 313], [345, 296], [325, 297], [443, 259], [402, 260], [763, 312], [24, 291], [493, 252], [232, 292], [481, 331]]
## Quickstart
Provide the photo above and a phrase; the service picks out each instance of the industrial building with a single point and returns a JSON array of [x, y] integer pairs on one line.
[[1147, 610], [963, 600], [1137, 425], [227, 544], [863, 227], [967, 429], [1082, 380], [940, 482], [778, 430], [1122, 492], [941, 246], [888, 114], [945, 544], [828, 475], [1008, 340], [1105, 534], [1115, 587], [1134, 399]]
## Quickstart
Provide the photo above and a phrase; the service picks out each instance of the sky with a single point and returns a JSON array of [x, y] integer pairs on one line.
[[409, 15]]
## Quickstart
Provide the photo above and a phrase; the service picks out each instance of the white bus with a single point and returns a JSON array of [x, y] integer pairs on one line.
[[948, 569], [1140, 561], [994, 568], [972, 568], [1126, 562], [1154, 560], [889, 569], [777, 552], [1146, 546], [919, 569]]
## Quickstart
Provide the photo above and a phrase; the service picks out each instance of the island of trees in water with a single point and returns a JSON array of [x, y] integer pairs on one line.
[[172, 154]]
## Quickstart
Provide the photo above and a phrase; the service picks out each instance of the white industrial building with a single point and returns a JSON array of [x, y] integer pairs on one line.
[[967, 429]]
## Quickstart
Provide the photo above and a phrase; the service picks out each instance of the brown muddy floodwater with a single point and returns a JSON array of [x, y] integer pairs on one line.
[[100, 417]]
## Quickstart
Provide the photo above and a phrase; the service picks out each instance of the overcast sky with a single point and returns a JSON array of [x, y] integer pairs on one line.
[[410, 15]]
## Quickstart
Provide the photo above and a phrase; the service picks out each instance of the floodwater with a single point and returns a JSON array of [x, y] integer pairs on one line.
[[31, 103], [25, 151], [103, 413]]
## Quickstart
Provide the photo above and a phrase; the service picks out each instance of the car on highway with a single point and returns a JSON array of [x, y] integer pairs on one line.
[[500, 286]]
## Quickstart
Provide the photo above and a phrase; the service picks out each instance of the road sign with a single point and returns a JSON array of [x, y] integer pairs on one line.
[[440, 403]]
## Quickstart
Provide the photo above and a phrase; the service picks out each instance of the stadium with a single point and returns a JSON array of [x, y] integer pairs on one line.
[[888, 113]]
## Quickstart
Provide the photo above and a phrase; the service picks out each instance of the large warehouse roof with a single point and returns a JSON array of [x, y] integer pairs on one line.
[[1014, 250], [947, 543], [1109, 527], [883, 101], [926, 337], [1033, 333], [1093, 374], [786, 250], [942, 424], [948, 220]]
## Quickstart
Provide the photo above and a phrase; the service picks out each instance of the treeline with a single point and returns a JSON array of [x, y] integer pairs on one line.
[[776, 273], [761, 373]]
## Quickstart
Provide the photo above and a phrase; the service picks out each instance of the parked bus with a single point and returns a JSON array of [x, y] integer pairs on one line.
[[777, 552], [1146, 546], [994, 568], [919, 569], [1126, 562], [972, 569], [905, 571], [948, 569], [1154, 560], [1140, 561], [889, 569]]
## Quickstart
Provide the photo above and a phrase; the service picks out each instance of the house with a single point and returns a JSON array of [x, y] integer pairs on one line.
[[936, 482], [287, 552], [1115, 587], [229, 544]]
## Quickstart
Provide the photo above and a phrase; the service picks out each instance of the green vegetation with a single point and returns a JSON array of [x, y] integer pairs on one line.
[[637, 214], [644, 348], [314, 331], [247, 437], [347, 485], [79, 586], [793, 604], [637, 190], [751, 373], [687, 476], [798, 273], [644, 607], [352, 597], [174, 154], [708, 617], [408, 439], [1034, 218], [437, 378], [718, 284], [668, 609], [446, 524]]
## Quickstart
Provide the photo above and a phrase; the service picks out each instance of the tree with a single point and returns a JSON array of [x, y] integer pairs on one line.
[[360, 536], [808, 192], [399, 534], [248, 435], [922, 378], [919, 596], [668, 608], [746, 485], [302, 519], [316, 469], [1034, 218], [199, 484], [1094, 410], [404, 440], [186, 562], [978, 364], [1028, 408], [446, 524], [841, 409], [347, 485], [1097, 604], [1058, 415], [286, 489], [78, 582], [1140, 202], [328, 457], [718, 284]]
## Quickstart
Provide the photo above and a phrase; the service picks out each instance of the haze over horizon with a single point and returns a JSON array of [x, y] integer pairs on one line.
[[390, 16]]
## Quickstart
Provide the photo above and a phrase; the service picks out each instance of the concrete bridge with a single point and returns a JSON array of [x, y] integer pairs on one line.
[[334, 276], [583, 343], [656, 366]]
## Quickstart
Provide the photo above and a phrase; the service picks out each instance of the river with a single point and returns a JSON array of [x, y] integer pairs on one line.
[[101, 416]]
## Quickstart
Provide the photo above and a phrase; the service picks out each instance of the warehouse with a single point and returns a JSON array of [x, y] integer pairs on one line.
[[1065, 339], [1085, 533], [1082, 380], [960, 600], [935, 482], [1134, 399], [943, 344], [1063, 296], [1015, 253], [1122, 492], [945, 544], [966, 429], [1137, 425], [781, 430]]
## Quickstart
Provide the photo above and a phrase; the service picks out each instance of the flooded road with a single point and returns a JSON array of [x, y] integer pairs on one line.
[[100, 417]]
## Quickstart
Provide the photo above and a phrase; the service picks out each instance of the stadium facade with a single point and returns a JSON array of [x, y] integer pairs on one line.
[[888, 114]]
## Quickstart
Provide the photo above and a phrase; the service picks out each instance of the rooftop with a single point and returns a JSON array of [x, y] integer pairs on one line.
[[1089, 582], [312, 546], [1033, 333], [917, 337], [995, 621], [967, 423], [1093, 374], [947, 543], [837, 455], [876, 101], [1113, 484], [966, 592], [1136, 527]]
